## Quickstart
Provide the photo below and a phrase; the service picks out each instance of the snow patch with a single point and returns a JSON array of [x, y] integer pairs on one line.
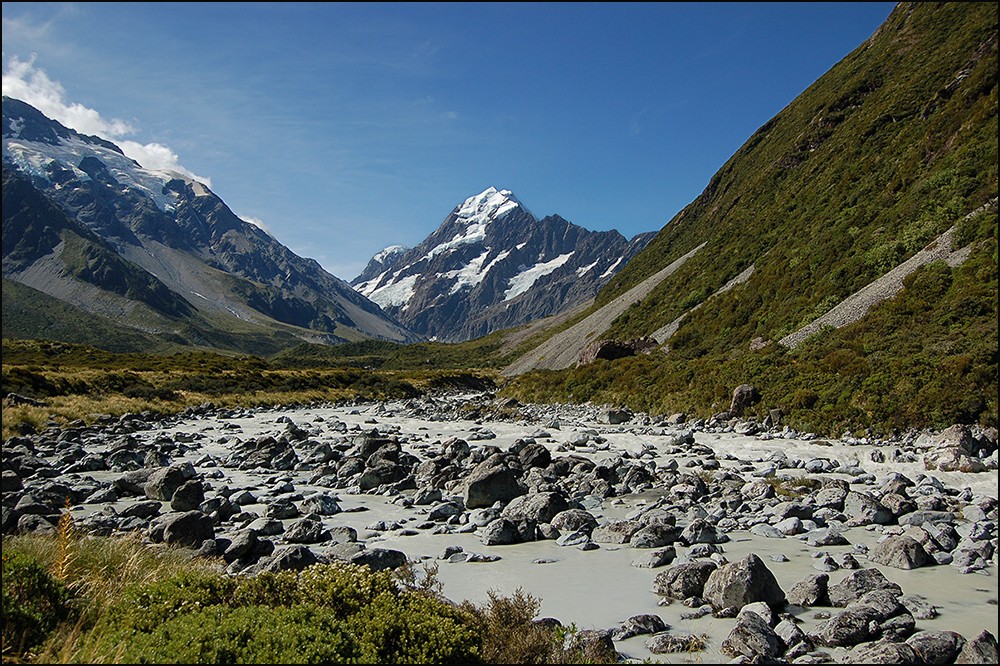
[[611, 268], [366, 288], [580, 272], [476, 213], [523, 281], [395, 294], [473, 273], [33, 158], [389, 252]]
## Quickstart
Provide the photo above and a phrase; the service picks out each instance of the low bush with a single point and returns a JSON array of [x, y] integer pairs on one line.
[[327, 613], [34, 603]]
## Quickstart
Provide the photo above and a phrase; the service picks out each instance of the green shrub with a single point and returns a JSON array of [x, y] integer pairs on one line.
[[226, 635], [34, 603], [327, 613]]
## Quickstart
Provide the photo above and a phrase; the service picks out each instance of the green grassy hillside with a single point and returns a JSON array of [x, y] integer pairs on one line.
[[893, 146]]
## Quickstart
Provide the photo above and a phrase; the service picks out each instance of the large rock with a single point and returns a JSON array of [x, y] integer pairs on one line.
[[857, 584], [491, 481], [188, 496], [307, 530], [535, 455], [979, 650], [701, 531], [739, 583], [953, 459], [744, 396], [884, 652], [380, 473], [162, 483], [753, 638], [639, 625], [937, 647], [190, 528], [322, 504], [574, 520], [380, 559], [499, 532], [616, 531], [682, 581], [288, 558], [654, 535], [863, 509], [527, 512], [876, 614], [900, 552], [810, 591], [851, 626]]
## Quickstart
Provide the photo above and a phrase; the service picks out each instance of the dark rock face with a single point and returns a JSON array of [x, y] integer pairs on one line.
[[876, 614], [810, 591], [528, 512], [744, 396], [609, 350], [380, 558], [190, 528], [937, 647], [573, 520], [493, 265]]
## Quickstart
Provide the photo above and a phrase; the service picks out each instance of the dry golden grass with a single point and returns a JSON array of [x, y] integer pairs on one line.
[[62, 410]]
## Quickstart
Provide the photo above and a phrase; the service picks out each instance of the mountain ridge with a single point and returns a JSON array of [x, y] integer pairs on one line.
[[166, 230]]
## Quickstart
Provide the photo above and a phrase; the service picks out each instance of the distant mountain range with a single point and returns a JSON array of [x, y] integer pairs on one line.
[[493, 265], [152, 254], [98, 250]]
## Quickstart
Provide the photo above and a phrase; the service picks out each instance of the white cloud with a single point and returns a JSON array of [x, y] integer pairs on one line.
[[257, 223], [23, 81]]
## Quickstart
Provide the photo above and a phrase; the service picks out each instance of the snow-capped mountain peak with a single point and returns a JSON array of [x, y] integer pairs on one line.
[[489, 204], [388, 252], [492, 264]]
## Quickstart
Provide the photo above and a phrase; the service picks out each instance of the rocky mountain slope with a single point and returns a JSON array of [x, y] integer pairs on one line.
[[844, 260], [493, 265], [153, 252]]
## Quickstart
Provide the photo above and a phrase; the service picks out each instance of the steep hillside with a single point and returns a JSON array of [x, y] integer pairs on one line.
[[886, 153]]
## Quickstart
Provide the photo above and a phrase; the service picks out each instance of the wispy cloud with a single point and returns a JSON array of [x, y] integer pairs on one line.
[[257, 223], [24, 81]]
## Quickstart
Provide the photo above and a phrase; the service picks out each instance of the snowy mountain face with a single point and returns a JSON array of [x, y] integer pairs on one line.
[[77, 202], [492, 265], [381, 262]]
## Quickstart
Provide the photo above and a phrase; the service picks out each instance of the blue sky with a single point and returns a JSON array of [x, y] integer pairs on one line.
[[343, 128]]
